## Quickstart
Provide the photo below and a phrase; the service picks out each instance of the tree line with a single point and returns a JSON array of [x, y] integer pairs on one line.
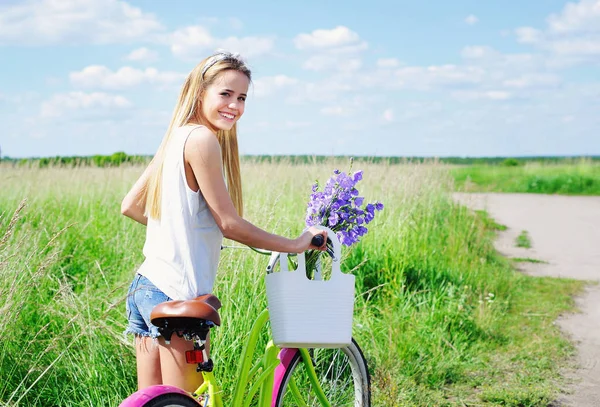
[[121, 158]]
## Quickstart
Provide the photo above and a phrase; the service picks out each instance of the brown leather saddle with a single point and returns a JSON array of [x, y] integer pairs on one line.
[[188, 317]]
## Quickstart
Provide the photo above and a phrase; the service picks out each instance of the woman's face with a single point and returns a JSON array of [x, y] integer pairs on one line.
[[224, 100]]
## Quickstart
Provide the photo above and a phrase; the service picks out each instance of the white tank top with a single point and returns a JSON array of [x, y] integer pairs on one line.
[[182, 249]]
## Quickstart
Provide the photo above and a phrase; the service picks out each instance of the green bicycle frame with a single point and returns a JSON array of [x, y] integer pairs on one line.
[[265, 379]]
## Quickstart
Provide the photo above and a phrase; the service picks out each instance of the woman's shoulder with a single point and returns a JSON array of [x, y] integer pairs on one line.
[[202, 135], [201, 141]]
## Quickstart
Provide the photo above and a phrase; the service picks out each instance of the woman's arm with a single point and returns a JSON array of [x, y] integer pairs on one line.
[[203, 153], [134, 203]]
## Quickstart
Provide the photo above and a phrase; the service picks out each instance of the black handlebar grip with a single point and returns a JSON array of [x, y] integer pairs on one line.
[[317, 240]]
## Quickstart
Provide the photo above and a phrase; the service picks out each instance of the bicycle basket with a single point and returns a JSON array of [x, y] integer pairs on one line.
[[311, 313]]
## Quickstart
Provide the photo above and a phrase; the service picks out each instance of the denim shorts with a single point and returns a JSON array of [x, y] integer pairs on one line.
[[142, 297]]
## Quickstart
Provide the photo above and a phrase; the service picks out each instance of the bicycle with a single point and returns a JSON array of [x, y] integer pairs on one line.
[[284, 377]]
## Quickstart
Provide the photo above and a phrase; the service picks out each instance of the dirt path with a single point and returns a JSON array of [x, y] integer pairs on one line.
[[565, 233]]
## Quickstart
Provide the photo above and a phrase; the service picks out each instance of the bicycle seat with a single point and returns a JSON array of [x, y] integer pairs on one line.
[[204, 307]]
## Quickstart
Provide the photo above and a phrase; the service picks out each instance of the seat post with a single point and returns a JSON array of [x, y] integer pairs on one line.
[[205, 364]]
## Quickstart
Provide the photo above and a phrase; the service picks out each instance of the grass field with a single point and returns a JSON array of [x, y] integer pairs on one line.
[[442, 318], [578, 177]]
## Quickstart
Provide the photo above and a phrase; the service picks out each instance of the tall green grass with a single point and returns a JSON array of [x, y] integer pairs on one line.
[[580, 177], [442, 318]]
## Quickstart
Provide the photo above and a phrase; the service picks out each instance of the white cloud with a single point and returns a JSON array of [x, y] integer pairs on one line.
[[44, 22], [335, 111], [388, 62], [425, 78], [270, 84], [495, 95], [577, 17], [348, 49], [232, 23], [142, 55], [247, 46], [101, 77], [61, 104], [388, 115], [516, 74], [501, 66], [188, 38], [486, 75], [478, 52], [338, 37], [471, 19], [572, 35], [531, 80], [528, 35], [195, 42], [329, 62], [326, 91], [332, 50], [576, 47]]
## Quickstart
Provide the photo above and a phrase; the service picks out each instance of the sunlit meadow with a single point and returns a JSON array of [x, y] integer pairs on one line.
[[442, 319]]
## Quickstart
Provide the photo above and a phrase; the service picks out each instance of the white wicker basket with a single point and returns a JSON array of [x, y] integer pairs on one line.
[[311, 313]]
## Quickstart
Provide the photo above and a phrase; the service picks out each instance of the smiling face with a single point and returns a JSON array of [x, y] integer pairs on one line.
[[224, 100]]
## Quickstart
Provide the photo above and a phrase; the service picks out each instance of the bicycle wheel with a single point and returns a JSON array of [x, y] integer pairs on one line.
[[172, 400], [342, 374]]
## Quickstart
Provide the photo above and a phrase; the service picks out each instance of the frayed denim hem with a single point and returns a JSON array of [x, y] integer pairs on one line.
[[139, 332]]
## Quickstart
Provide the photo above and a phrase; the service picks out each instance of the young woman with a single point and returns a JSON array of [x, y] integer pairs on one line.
[[188, 208]]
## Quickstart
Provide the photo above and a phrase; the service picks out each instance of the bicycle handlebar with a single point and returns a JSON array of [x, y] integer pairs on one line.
[[317, 240]]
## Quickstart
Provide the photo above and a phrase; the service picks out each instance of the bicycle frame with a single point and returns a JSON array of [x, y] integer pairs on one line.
[[273, 363]]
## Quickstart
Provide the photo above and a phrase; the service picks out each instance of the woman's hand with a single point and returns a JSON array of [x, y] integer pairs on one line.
[[304, 242]]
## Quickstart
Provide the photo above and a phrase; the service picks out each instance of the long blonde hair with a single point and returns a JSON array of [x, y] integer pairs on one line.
[[187, 109]]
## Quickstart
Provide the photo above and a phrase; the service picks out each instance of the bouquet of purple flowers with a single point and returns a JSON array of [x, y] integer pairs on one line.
[[339, 207]]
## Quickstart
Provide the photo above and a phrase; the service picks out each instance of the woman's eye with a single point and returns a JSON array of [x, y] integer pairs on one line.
[[241, 98], [225, 94]]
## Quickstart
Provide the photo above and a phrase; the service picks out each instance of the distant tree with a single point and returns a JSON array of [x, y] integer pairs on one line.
[[99, 160], [511, 162], [118, 158]]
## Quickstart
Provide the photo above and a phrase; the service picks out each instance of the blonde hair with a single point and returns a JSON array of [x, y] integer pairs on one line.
[[188, 108]]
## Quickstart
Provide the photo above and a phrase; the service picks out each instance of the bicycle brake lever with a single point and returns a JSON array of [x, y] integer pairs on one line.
[[272, 261]]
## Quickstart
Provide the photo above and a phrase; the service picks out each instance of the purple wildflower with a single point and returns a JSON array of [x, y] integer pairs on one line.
[[340, 207], [333, 219]]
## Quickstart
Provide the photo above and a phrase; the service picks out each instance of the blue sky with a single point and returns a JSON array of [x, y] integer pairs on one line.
[[399, 78]]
